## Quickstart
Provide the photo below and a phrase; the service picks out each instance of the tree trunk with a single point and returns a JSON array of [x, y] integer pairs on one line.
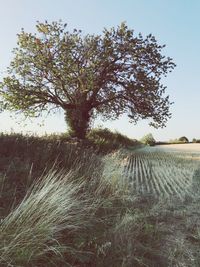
[[78, 120]]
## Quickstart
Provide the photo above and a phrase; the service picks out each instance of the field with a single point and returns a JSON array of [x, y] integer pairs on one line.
[[166, 179], [160, 174], [160, 171], [114, 204], [163, 171], [190, 148]]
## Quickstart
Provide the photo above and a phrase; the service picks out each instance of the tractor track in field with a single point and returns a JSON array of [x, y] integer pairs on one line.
[[160, 174]]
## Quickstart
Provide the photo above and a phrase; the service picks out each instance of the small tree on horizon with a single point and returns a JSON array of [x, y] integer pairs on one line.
[[148, 140], [183, 139], [109, 75]]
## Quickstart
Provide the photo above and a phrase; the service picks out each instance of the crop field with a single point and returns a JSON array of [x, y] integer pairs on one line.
[[160, 174]]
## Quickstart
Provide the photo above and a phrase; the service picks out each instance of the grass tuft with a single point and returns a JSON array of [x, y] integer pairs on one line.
[[52, 204]]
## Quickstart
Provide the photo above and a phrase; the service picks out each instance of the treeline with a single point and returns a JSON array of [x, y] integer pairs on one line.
[[194, 140]]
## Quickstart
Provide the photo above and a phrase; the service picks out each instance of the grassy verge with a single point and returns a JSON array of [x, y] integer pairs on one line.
[[62, 205], [60, 222]]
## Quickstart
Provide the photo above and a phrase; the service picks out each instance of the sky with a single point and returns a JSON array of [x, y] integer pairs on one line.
[[173, 22]]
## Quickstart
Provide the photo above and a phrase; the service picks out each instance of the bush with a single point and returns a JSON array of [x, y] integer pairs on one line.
[[106, 141], [194, 140], [183, 139], [148, 140]]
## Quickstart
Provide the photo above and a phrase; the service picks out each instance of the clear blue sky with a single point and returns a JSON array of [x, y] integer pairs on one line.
[[173, 22]]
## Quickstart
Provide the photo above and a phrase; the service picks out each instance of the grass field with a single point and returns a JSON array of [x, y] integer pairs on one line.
[[97, 204]]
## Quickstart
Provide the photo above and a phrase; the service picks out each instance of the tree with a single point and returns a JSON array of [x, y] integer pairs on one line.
[[183, 139], [86, 76], [148, 140]]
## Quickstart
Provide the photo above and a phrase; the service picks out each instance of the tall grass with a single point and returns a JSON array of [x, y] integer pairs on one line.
[[55, 221], [65, 221], [24, 158], [85, 215], [52, 204]]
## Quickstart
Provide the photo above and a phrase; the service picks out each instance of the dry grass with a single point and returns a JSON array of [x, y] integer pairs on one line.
[[178, 148], [68, 219], [52, 204]]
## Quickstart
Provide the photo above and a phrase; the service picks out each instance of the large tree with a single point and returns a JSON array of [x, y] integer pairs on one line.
[[87, 75]]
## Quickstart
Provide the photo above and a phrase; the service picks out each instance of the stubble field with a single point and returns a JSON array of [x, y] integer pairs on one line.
[[162, 171]]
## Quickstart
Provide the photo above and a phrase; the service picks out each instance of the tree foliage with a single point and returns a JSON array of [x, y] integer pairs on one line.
[[148, 140], [88, 75], [183, 139]]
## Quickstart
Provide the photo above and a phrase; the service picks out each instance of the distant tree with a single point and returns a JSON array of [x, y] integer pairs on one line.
[[148, 140], [194, 140], [183, 139], [86, 76]]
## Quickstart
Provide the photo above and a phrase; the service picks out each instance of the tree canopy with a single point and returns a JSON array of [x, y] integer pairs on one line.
[[148, 140], [183, 139], [88, 75]]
